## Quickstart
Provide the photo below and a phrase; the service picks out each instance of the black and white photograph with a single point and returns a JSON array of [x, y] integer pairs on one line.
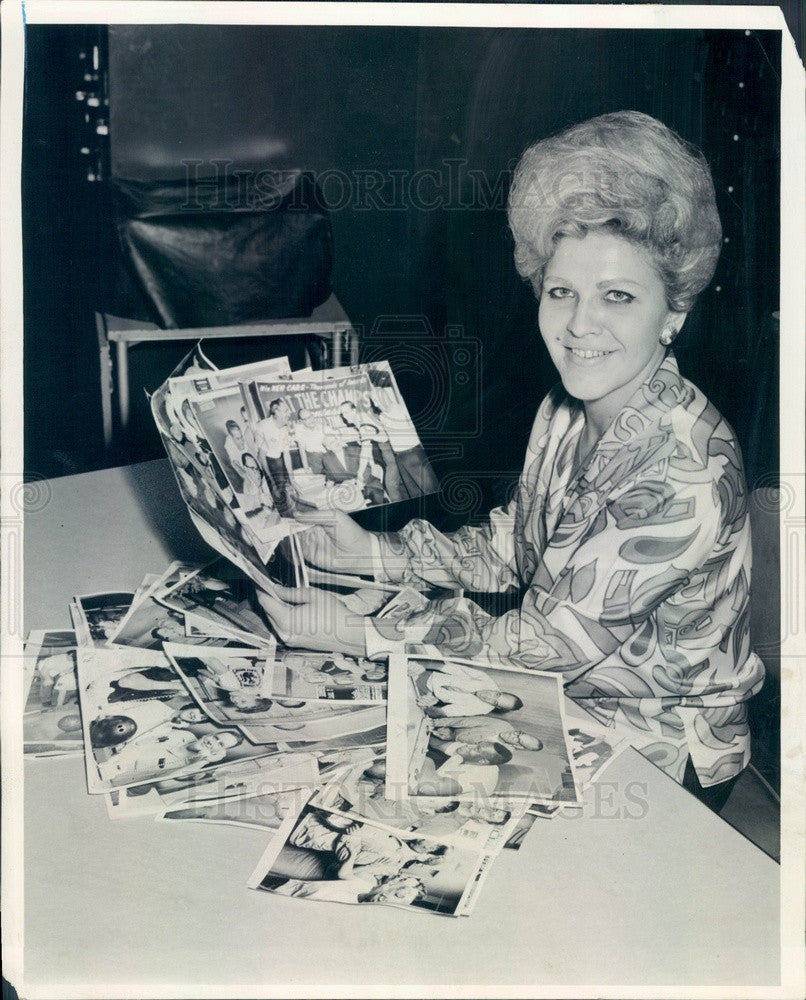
[[222, 785], [51, 720], [235, 447], [320, 676], [457, 729], [358, 790], [326, 442], [233, 687], [323, 855], [98, 616], [220, 595], [399, 388], [141, 724]]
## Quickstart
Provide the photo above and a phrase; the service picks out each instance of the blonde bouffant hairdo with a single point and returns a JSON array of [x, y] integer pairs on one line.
[[627, 173]]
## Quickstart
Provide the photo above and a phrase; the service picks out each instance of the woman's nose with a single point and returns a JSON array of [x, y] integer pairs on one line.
[[584, 320]]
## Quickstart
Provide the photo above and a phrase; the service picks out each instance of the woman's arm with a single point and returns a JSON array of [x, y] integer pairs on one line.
[[480, 559], [590, 595]]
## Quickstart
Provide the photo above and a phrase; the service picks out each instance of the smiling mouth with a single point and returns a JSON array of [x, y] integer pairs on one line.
[[578, 352]]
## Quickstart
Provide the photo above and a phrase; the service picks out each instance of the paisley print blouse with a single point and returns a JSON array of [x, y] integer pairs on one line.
[[633, 573]]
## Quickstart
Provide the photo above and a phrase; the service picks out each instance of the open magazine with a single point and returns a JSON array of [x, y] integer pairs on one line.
[[254, 445]]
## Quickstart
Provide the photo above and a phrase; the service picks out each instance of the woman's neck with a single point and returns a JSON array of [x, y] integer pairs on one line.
[[600, 413]]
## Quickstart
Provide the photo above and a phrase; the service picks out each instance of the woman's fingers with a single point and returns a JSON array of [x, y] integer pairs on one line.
[[325, 518], [295, 595]]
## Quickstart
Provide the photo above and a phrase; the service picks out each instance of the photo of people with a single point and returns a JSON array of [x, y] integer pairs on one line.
[[100, 615], [210, 499], [140, 723], [233, 687], [322, 855], [148, 626], [359, 790], [461, 730], [330, 677], [51, 721], [325, 444], [234, 444], [594, 748], [220, 594]]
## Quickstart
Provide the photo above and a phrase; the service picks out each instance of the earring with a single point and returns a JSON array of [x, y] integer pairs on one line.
[[667, 337]]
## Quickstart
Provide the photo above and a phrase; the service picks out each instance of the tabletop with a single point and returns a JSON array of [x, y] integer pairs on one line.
[[643, 886]]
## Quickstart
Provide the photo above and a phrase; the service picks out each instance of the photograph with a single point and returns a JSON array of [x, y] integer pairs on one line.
[[98, 616], [233, 687], [220, 594], [323, 855], [141, 724], [51, 723], [235, 448], [358, 791], [495, 311], [227, 782], [313, 457], [194, 385], [462, 730], [320, 676]]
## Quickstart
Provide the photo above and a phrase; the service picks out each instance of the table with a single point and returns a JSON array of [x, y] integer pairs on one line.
[[644, 887]]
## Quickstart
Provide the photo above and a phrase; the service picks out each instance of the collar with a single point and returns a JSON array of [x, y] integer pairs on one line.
[[637, 435]]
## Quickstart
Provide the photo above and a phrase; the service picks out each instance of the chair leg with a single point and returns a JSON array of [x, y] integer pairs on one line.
[[123, 384], [105, 363]]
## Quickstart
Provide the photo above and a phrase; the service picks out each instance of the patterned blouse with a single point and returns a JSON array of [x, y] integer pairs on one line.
[[633, 570]]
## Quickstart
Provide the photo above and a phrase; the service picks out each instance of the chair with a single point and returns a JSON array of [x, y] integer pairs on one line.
[[753, 807], [328, 322], [204, 259]]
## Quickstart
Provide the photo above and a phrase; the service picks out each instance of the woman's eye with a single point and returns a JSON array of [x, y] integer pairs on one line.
[[559, 292], [614, 295]]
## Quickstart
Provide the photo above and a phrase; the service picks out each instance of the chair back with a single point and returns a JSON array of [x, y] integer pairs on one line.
[[211, 252]]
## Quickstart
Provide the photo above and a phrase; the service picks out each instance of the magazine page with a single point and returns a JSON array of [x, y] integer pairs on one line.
[[389, 410]]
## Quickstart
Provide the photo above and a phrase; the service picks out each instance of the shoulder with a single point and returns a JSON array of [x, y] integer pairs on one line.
[[706, 446]]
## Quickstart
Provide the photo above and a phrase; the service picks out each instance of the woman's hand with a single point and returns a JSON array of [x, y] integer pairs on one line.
[[335, 542], [313, 619]]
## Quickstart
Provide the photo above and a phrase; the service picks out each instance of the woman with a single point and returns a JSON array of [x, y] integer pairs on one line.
[[628, 537]]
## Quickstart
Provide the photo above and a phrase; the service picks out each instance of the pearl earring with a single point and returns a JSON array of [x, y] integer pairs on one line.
[[667, 337]]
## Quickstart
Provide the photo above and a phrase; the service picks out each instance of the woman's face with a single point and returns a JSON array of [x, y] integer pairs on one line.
[[602, 312]]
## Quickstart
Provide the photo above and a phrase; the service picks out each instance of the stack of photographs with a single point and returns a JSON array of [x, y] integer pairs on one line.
[[394, 781], [253, 446]]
